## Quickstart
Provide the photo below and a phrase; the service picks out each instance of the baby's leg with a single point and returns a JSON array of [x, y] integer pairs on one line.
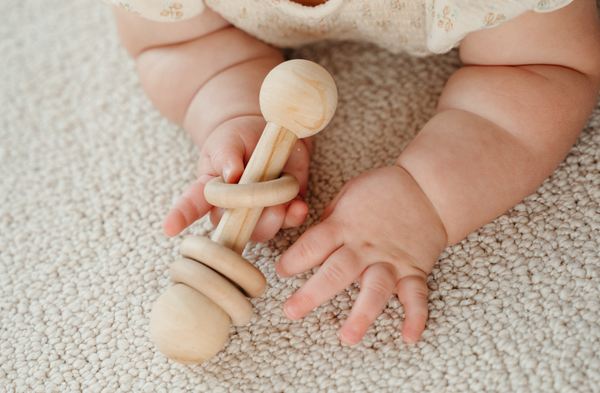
[[506, 120], [177, 60], [205, 75]]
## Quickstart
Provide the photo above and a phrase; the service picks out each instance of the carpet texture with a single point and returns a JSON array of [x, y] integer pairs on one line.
[[88, 169]]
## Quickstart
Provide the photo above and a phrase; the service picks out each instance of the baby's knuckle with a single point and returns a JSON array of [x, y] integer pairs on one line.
[[419, 289], [275, 215], [380, 288], [417, 316], [218, 156], [361, 319], [307, 301], [195, 210], [421, 294], [204, 165], [306, 251], [334, 274]]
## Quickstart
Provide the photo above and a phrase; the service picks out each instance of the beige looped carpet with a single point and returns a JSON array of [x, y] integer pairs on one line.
[[88, 168]]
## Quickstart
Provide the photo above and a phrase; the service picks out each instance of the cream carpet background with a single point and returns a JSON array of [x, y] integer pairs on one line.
[[88, 169]]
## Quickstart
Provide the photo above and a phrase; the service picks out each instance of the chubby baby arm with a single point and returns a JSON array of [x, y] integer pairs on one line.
[[504, 123], [205, 75], [506, 120]]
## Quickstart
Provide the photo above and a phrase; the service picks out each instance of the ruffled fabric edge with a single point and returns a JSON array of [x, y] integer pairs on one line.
[[448, 21], [451, 20], [551, 5]]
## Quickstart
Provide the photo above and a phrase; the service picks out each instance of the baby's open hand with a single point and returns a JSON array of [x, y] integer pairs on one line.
[[225, 153], [382, 229]]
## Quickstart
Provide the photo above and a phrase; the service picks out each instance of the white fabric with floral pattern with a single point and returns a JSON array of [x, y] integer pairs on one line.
[[419, 27]]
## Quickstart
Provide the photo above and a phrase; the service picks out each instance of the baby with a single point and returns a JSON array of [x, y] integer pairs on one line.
[[504, 122]]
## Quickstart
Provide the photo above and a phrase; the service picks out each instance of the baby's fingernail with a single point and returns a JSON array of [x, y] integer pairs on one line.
[[349, 336], [226, 172], [410, 337], [290, 311], [278, 268]]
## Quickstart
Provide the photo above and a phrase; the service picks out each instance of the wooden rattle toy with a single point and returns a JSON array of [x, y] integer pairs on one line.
[[190, 322]]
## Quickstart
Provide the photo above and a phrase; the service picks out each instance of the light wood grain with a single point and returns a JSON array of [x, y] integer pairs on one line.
[[188, 327], [300, 96], [266, 163], [225, 261], [214, 286], [245, 196]]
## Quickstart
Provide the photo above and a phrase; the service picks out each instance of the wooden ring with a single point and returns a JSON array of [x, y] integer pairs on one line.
[[227, 262], [211, 284], [246, 196]]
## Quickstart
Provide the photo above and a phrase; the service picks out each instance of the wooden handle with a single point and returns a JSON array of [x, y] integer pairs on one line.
[[190, 322], [290, 116], [266, 163]]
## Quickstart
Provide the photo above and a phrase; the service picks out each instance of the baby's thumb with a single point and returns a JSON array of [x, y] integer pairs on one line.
[[229, 147], [230, 166], [228, 160]]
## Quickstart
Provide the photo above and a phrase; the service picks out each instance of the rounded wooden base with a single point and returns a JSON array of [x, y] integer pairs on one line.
[[190, 322], [188, 327]]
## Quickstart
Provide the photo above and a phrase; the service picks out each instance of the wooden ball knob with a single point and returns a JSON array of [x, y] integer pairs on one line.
[[300, 96]]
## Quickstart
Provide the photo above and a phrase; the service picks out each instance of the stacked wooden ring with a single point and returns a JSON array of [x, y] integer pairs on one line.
[[190, 322]]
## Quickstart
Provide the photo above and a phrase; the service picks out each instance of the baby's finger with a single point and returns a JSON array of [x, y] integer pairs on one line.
[[331, 206], [215, 215], [298, 163], [190, 207], [311, 250], [296, 213], [339, 271], [412, 292], [269, 223], [377, 285]]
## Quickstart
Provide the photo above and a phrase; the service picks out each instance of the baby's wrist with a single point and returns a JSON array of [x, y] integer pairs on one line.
[[431, 221], [426, 201]]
